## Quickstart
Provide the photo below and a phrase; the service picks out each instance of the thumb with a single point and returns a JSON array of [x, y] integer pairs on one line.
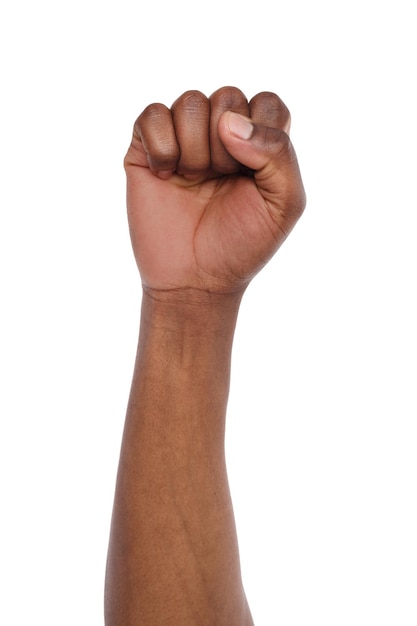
[[270, 153]]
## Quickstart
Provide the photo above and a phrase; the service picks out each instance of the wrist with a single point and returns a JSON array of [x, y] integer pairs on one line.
[[191, 307], [186, 341]]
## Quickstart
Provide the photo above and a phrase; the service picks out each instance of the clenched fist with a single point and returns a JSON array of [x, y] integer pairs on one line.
[[213, 189]]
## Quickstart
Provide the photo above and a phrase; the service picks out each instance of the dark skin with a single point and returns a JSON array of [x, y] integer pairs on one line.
[[211, 196]]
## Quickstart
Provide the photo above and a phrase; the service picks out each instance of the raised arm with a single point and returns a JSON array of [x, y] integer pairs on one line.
[[213, 189]]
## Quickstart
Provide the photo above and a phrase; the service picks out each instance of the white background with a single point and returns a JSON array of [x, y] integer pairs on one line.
[[322, 415]]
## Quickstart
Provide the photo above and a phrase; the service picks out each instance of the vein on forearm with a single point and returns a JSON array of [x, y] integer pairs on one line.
[[173, 525]]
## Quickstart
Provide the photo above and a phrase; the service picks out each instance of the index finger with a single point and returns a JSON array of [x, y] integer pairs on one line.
[[224, 99], [267, 109]]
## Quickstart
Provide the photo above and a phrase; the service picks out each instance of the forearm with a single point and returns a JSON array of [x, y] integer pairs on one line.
[[173, 554]]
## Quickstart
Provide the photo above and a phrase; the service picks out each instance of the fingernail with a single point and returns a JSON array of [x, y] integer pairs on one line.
[[240, 126], [165, 175]]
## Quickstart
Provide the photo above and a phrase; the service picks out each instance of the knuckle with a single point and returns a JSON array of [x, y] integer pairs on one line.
[[228, 98], [269, 100], [191, 101], [269, 106], [154, 131], [153, 112]]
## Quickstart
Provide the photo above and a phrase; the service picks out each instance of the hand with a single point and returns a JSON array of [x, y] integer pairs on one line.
[[211, 195]]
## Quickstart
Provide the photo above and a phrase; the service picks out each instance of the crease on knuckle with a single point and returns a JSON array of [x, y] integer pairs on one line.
[[229, 97], [269, 105], [194, 101]]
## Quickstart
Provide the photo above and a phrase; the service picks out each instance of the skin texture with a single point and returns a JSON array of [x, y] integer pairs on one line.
[[211, 196]]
